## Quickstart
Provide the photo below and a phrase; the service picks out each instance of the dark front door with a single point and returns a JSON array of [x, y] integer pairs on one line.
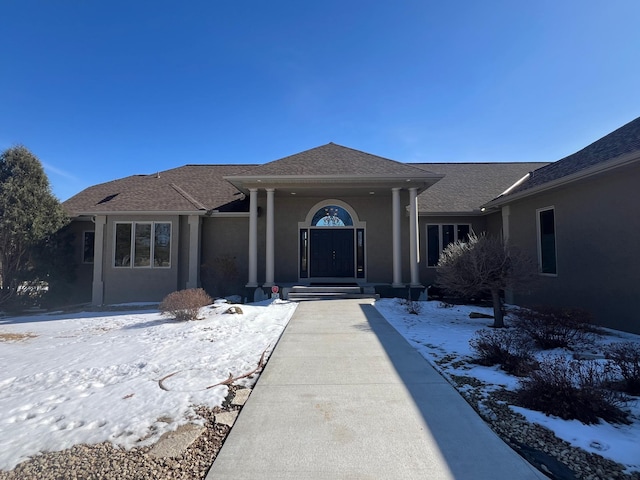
[[331, 253]]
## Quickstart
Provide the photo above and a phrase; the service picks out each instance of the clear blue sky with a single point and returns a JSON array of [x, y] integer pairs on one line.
[[99, 90]]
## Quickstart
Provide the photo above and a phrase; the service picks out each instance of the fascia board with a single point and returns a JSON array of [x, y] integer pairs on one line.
[[140, 213]]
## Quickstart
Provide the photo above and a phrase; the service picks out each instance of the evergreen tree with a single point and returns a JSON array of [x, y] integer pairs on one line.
[[29, 215]]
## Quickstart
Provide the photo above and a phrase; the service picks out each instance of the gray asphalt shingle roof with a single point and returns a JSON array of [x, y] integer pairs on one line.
[[333, 159], [182, 189], [468, 186], [465, 187], [624, 140]]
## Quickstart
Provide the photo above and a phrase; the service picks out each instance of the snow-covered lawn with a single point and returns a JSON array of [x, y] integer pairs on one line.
[[443, 334], [67, 379]]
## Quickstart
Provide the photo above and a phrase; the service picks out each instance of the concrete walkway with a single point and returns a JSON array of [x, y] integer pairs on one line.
[[344, 396]]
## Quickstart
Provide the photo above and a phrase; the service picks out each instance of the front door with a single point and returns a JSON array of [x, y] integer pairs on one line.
[[331, 253]]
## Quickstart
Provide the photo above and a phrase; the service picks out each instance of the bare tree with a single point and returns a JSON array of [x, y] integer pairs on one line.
[[484, 264]]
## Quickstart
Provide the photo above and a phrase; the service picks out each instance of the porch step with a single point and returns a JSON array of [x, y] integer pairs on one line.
[[302, 293]]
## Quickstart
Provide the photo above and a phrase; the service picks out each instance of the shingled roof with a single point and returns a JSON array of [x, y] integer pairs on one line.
[[468, 186], [333, 159], [189, 188], [624, 140], [200, 188]]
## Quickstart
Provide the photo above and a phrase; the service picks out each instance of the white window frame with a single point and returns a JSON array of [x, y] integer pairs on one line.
[[539, 241], [132, 246], [440, 248]]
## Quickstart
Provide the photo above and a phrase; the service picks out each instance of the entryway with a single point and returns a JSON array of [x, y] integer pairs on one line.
[[331, 253]]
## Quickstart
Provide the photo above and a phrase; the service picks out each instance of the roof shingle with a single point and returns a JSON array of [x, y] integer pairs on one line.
[[624, 140]]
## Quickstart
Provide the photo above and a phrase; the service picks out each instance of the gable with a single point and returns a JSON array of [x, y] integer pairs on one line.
[[333, 159]]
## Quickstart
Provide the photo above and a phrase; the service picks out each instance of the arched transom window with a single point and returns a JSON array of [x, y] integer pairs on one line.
[[332, 216]]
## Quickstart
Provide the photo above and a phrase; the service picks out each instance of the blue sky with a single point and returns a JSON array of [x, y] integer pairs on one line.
[[99, 90]]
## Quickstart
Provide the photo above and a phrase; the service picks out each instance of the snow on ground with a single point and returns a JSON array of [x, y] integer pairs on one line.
[[85, 377], [441, 331], [67, 379]]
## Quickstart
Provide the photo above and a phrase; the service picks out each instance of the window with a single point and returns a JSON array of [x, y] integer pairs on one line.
[[547, 241], [304, 253], [89, 240], [441, 235], [332, 216], [147, 243], [360, 252]]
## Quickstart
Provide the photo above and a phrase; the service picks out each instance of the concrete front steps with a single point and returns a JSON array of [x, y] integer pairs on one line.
[[328, 292]]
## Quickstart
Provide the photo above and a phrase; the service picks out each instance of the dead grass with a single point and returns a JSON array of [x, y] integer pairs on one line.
[[15, 337]]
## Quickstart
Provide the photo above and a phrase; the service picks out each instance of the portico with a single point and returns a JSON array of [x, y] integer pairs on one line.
[[310, 227]]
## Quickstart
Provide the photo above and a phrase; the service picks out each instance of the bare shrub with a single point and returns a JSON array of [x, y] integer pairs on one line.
[[508, 348], [552, 327], [626, 359], [572, 389], [185, 304], [482, 265], [413, 307]]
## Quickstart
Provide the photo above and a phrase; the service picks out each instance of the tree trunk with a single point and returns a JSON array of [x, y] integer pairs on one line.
[[498, 320]]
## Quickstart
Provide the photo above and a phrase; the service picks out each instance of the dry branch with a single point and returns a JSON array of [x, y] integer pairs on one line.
[[232, 379]]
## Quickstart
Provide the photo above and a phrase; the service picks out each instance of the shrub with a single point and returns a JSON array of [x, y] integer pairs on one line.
[[413, 307], [508, 348], [482, 265], [572, 389], [185, 304], [552, 327], [626, 358]]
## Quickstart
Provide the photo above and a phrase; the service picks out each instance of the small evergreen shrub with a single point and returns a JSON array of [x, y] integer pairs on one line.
[[572, 389], [508, 348], [185, 304], [626, 359], [552, 327]]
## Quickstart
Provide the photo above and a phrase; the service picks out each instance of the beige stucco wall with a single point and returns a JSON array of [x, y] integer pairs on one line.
[[84, 271], [375, 211], [125, 284], [597, 239], [224, 244]]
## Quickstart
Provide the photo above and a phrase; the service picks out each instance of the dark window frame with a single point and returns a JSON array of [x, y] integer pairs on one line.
[[144, 248], [443, 230], [547, 242]]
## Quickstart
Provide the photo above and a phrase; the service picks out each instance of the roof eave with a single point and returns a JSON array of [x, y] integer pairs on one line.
[[137, 213], [245, 182], [507, 197]]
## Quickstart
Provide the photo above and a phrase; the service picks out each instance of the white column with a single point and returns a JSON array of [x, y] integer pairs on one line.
[[97, 289], [414, 255], [397, 249], [194, 251], [270, 243], [253, 238]]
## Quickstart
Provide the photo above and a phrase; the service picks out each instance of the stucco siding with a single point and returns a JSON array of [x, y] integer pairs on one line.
[[83, 271], [597, 226], [129, 284], [224, 247]]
